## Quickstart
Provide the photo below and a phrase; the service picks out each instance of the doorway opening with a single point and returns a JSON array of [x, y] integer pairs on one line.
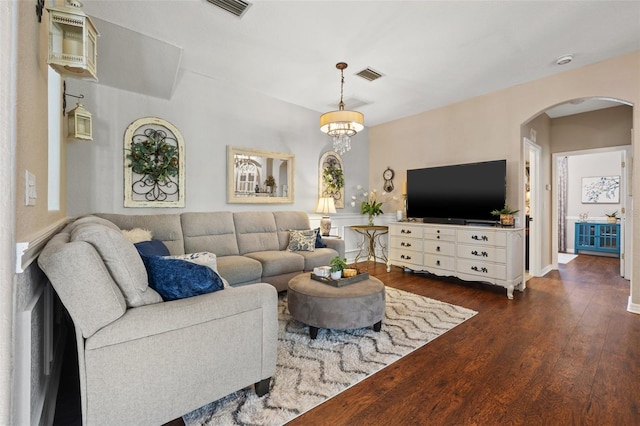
[[571, 127]]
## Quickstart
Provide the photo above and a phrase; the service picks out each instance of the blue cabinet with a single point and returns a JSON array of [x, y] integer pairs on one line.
[[597, 237]]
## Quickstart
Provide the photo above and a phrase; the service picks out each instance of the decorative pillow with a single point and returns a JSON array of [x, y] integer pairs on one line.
[[152, 248], [203, 258], [178, 279], [137, 235], [302, 240], [319, 242]]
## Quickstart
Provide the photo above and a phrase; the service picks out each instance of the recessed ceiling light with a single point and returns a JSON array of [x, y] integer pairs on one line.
[[564, 59]]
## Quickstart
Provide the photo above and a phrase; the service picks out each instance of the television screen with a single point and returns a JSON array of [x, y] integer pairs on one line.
[[460, 193]]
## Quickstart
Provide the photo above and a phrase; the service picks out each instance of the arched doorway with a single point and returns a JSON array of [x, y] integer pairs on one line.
[[604, 116]]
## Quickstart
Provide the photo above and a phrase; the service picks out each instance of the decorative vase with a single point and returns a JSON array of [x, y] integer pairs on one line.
[[371, 217], [336, 275], [612, 219]]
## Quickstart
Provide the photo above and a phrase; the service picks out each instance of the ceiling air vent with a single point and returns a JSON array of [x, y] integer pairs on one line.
[[369, 74], [235, 7]]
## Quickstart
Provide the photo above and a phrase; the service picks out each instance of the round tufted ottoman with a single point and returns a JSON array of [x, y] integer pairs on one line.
[[320, 305]]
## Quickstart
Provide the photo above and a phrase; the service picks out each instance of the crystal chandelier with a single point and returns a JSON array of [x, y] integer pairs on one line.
[[341, 124]]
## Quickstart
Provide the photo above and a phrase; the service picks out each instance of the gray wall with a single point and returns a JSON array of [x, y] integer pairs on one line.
[[210, 114]]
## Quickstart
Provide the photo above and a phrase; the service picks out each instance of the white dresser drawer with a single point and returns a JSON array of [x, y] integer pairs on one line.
[[439, 247], [442, 262], [401, 229], [483, 269], [406, 258], [403, 242], [439, 234], [482, 253], [482, 236]]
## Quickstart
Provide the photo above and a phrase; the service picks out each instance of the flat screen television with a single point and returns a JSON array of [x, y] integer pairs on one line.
[[457, 194]]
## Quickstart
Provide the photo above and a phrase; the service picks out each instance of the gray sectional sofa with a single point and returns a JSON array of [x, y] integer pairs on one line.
[[250, 247], [145, 361]]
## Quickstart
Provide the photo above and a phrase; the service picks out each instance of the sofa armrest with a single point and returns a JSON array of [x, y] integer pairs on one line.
[[335, 243], [158, 362]]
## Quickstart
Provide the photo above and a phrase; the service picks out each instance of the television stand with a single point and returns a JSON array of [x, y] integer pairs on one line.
[[471, 253]]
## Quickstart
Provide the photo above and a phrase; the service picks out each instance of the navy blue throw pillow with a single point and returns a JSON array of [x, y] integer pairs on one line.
[[152, 248], [319, 242], [177, 279]]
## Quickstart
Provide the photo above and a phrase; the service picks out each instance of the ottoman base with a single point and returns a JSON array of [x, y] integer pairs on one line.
[[319, 305]]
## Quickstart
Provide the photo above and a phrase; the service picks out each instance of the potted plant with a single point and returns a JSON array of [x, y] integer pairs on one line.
[[506, 215], [337, 265], [612, 217], [270, 183]]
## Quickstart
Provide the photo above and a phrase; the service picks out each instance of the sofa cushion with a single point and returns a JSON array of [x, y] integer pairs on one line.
[[256, 231], [164, 227], [178, 279], [203, 258], [121, 259], [213, 232], [83, 220], [152, 248], [239, 269], [302, 240], [319, 257], [278, 262], [286, 220]]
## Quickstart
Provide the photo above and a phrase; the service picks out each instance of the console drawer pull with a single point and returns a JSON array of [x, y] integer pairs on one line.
[[483, 269]]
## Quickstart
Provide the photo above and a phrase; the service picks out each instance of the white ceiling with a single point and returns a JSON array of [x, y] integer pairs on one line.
[[432, 53]]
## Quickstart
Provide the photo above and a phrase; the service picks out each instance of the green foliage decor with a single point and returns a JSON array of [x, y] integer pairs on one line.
[[154, 157], [505, 210], [338, 264], [333, 178]]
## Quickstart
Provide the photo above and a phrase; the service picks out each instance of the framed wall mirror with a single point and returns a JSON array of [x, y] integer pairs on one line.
[[259, 177]]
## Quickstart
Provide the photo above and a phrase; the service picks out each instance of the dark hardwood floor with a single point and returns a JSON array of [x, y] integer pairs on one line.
[[563, 352]]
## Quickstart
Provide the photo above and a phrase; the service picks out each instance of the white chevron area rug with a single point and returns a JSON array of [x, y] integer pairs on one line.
[[309, 371]]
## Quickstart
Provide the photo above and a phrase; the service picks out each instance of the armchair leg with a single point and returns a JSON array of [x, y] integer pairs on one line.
[[262, 387]]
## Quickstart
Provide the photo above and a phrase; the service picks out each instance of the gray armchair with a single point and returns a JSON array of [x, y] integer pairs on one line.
[[154, 362]]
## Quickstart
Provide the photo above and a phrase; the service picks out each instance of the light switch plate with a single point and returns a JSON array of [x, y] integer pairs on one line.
[[29, 189]]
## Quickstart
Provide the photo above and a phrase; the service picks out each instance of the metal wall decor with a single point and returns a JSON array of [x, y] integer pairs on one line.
[[154, 173], [331, 178]]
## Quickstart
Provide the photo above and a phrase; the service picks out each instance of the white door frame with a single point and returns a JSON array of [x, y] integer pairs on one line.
[[533, 153], [625, 202]]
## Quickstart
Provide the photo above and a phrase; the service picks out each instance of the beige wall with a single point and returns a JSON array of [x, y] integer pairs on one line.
[[595, 129], [489, 127], [31, 125]]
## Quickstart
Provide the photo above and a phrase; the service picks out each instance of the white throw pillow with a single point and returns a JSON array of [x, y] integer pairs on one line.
[[202, 258]]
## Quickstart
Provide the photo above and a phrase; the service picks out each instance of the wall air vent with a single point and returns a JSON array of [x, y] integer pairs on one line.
[[235, 7], [369, 74]]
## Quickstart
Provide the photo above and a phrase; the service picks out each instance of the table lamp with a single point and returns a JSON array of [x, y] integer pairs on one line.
[[325, 206]]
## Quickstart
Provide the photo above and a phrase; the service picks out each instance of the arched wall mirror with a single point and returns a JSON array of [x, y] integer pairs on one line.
[[259, 177]]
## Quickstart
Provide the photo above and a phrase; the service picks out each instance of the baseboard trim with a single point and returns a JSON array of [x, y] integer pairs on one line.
[[634, 308]]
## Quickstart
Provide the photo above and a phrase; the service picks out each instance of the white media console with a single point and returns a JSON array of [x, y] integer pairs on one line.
[[473, 253]]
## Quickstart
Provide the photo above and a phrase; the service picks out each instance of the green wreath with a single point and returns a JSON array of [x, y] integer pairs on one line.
[[154, 157], [333, 178]]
